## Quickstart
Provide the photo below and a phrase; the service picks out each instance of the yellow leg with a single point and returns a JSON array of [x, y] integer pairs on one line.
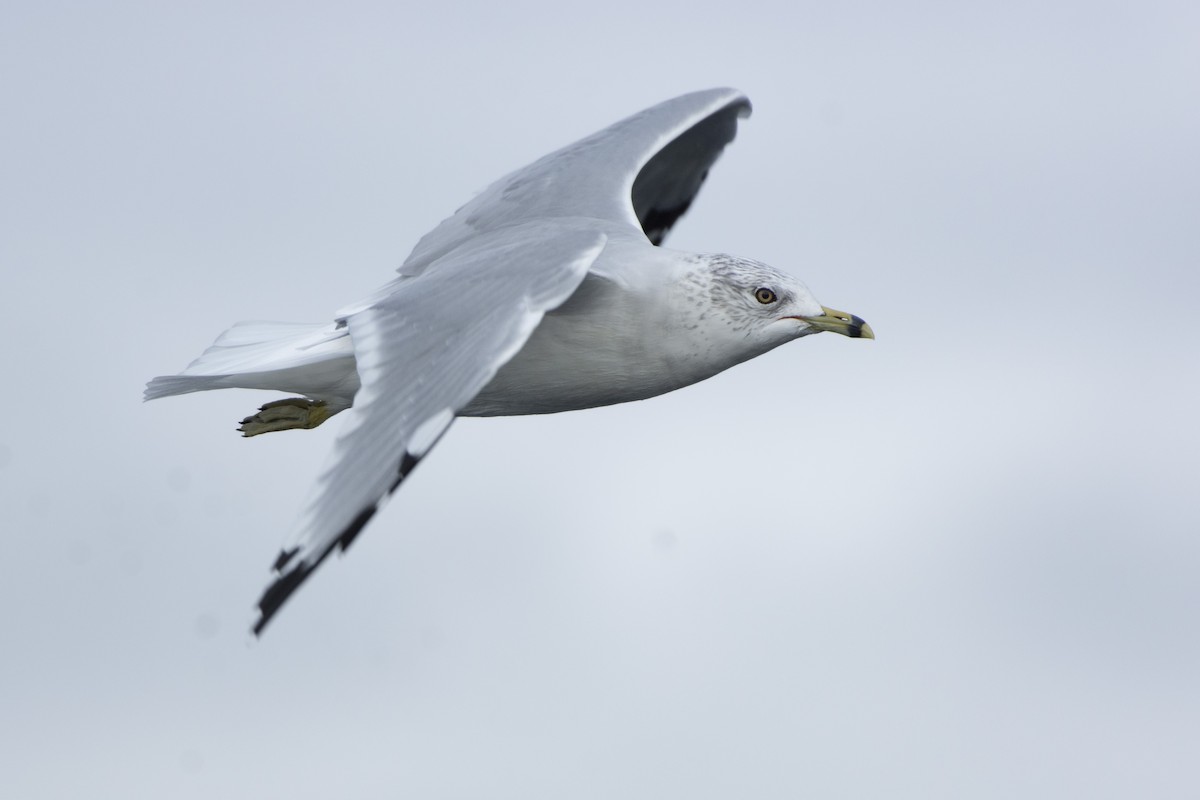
[[285, 415]]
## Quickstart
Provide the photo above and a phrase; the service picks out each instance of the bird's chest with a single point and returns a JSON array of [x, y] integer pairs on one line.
[[584, 358]]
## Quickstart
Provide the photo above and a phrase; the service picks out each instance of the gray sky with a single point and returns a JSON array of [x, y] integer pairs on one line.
[[959, 561]]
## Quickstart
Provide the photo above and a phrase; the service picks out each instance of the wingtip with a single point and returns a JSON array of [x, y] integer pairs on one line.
[[277, 594], [287, 581]]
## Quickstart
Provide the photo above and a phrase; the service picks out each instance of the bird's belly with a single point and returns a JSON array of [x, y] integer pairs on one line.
[[565, 366], [523, 386]]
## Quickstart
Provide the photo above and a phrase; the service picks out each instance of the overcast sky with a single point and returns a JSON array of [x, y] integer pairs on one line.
[[957, 562]]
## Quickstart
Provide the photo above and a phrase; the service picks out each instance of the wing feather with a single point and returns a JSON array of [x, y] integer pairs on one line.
[[423, 352], [655, 160]]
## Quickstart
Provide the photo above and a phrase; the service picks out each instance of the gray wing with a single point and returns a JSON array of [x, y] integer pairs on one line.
[[643, 171], [423, 352]]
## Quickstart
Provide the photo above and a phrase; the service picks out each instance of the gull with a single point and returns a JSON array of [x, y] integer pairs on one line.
[[549, 291]]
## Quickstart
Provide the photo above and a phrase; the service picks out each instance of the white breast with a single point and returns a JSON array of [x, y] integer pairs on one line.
[[616, 340]]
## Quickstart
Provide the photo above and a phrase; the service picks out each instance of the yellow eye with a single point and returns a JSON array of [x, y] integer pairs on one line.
[[765, 296]]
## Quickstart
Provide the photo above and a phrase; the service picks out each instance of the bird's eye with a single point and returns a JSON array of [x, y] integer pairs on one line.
[[765, 296]]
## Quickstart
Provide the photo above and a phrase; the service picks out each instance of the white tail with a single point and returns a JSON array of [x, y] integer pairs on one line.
[[312, 359]]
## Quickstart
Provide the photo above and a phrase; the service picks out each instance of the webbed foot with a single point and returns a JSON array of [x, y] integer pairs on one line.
[[284, 415]]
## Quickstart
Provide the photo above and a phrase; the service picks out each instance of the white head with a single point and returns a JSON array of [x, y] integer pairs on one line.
[[740, 308]]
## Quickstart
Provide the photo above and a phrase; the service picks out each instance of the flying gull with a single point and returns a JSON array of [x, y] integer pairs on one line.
[[547, 292]]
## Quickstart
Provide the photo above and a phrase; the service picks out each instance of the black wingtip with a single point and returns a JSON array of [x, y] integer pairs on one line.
[[288, 582], [657, 222], [407, 465], [354, 528], [284, 558], [278, 593]]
